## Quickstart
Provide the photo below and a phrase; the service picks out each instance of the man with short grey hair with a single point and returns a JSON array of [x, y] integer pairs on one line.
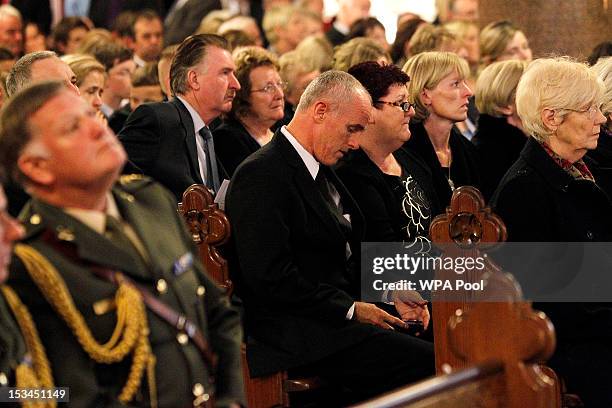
[[11, 30], [37, 67], [296, 234]]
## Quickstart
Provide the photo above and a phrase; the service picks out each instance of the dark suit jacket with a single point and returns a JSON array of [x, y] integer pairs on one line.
[[181, 23], [233, 144], [99, 12], [290, 262], [334, 36], [151, 212], [160, 139]]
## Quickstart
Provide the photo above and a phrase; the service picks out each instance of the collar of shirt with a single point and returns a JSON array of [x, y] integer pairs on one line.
[[96, 220], [341, 27], [139, 61], [198, 122], [309, 161]]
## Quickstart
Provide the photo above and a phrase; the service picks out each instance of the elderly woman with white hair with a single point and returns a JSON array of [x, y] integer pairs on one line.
[[550, 195], [499, 137], [440, 95]]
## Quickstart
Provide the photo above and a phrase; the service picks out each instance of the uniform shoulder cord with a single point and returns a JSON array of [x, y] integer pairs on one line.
[[27, 376], [130, 336]]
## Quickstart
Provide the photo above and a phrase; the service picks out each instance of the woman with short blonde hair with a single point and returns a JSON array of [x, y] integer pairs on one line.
[[358, 50], [91, 76], [502, 40], [499, 137], [439, 91]]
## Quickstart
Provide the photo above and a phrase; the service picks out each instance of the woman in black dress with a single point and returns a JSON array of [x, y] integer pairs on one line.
[[440, 95], [499, 138], [391, 185], [257, 106]]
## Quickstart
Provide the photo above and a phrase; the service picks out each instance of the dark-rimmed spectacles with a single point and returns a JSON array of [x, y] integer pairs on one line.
[[404, 106]]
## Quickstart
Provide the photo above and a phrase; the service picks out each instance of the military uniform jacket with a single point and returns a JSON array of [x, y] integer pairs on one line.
[[173, 274]]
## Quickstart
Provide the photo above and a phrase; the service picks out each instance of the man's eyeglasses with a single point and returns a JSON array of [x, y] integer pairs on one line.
[[591, 111], [272, 87], [404, 106]]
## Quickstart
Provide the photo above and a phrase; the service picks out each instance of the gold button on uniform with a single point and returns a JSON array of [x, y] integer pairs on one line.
[[182, 338], [162, 286], [35, 219], [198, 389], [200, 291]]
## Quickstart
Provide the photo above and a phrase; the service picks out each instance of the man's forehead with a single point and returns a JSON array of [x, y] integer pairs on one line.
[[47, 68]]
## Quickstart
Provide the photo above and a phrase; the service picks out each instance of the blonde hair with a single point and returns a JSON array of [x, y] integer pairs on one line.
[[82, 65], [558, 84], [357, 50], [430, 38], [293, 65], [426, 70], [603, 69], [496, 86], [494, 39], [318, 50], [212, 21], [276, 17], [460, 29], [246, 60]]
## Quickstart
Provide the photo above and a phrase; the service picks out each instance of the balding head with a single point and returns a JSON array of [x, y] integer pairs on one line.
[[38, 67]]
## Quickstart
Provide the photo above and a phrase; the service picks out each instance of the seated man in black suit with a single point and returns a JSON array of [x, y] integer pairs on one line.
[[295, 229], [171, 141]]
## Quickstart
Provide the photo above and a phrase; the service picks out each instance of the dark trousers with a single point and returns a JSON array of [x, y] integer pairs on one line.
[[383, 362]]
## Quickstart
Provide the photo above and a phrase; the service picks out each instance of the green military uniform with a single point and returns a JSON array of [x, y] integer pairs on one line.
[[170, 271], [12, 346]]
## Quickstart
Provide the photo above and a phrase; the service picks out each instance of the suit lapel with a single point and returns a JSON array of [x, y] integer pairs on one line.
[[91, 247], [190, 142], [306, 185]]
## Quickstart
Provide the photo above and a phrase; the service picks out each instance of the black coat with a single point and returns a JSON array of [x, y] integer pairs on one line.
[[540, 202], [465, 165], [233, 144], [380, 195], [499, 145], [160, 140], [290, 264]]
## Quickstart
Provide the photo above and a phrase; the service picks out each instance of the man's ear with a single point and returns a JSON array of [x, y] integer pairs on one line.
[[35, 168], [549, 119], [192, 80], [320, 109]]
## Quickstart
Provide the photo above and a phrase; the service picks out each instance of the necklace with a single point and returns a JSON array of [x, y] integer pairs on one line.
[[451, 184]]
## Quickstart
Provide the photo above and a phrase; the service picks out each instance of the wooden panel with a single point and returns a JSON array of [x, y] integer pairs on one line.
[[555, 26]]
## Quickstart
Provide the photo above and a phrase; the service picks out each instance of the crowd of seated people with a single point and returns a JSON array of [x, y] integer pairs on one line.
[[315, 136]]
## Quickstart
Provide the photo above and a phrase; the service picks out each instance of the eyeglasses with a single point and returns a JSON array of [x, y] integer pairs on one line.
[[272, 87], [404, 106], [591, 110]]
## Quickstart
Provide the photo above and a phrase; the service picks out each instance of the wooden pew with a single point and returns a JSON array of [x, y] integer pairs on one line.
[[488, 353], [210, 229]]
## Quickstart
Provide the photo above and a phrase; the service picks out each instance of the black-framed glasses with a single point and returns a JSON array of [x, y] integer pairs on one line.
[[404, 106], [272, 87]]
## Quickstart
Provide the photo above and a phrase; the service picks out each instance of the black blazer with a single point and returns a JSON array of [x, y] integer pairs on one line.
[[465, 166], [290, 263], [334, 36], [160, 139], [233, 144], [600, 161], [181, 23], [380, 195], [499, 145]]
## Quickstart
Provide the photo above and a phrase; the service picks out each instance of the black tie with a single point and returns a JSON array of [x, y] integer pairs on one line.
[[212, 173], [325, 187]]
